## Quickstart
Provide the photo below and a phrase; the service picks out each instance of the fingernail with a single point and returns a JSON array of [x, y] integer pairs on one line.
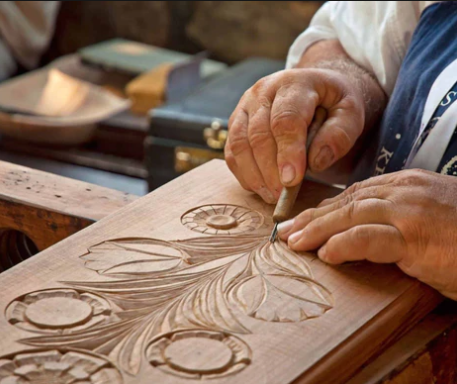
[[322, 253], [295, 237], [285, 227], [323, 159], [287, 174]]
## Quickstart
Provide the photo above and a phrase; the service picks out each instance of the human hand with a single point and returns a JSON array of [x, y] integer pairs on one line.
[[407, 217], [266, 147]]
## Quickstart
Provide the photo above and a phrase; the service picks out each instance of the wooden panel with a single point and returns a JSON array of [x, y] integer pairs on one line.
[[183, 284]]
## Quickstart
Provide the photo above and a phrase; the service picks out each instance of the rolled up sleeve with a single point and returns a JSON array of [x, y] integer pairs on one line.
[[375, 34]]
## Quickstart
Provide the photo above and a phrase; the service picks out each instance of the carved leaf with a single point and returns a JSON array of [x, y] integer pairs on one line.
[[281, 298], [133, 257], [204, 249], [278, 258]]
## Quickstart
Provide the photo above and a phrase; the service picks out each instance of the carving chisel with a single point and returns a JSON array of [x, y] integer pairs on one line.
[[288, 195]]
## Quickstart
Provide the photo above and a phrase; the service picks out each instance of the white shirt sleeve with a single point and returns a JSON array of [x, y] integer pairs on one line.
[[26, 29], [375, 34]]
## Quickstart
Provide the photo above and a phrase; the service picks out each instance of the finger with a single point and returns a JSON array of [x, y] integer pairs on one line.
[[289, 227], [264, 148], [356, 188], [231, 163], [343, 126], [318, 231], [242, 152], [292, 111], [377, 243]]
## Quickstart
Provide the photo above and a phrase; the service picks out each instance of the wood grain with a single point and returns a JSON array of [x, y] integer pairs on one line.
[[427, 351], [48, 208], [158, 286]]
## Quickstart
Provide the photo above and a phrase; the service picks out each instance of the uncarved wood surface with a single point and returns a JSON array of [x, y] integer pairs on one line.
[[178, 293], [48, 208], [60, 194]]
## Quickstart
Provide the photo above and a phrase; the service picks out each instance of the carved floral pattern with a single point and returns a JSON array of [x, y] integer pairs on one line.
[[57, 367], [134, 258], [222, 219], [198, 283], [199, 354], [58, 311]]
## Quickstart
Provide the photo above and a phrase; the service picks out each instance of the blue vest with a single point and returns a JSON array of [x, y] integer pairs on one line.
[[402, 132]]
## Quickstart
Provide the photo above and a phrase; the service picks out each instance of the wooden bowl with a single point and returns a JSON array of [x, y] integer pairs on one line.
[[55, 108]]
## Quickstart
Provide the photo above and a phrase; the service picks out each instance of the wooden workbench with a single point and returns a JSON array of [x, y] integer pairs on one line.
[[49, 208]]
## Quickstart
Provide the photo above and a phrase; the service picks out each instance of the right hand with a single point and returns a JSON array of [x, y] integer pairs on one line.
[[266, 146]]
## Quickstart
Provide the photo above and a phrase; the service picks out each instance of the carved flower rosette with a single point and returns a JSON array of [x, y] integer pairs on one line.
[[57, 367], [163, 288]]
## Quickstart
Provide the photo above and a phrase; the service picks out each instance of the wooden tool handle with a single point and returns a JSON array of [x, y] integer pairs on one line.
[[289, 194], [286, 203]]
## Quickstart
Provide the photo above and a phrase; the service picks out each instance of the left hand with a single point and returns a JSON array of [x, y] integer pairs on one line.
[[407, 217]]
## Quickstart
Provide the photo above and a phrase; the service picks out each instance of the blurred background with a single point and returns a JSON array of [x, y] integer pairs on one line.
[[131, 94], [229, 30]]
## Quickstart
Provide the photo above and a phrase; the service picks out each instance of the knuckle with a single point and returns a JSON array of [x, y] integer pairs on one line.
[[350, 210], [348, 199], [259, 86], [264, 102], [360, 236], [354, 188], [314, 227], [246, 95], [340, 140], [412, 177], [238, 121], [306, 217], [283, 123], [229, 159], [332, 250], [238, 145], [258, 137]]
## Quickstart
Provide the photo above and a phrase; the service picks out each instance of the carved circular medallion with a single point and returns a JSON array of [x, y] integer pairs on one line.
[[197, 354], [58, 312], [57, 367], [222, 219]]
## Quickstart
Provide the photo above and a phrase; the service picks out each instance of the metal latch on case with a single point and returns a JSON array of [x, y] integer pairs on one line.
[[215, 136], [187, 158]]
